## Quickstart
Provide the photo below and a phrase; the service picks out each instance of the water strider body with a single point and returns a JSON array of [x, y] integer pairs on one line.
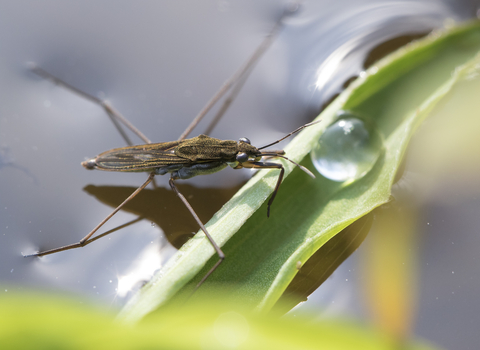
[[201, 155]]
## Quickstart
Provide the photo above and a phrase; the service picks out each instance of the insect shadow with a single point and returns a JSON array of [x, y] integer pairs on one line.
[[184, 158], [155, 205]]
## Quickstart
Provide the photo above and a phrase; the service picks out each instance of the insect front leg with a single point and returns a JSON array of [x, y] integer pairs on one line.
[[215, 246], [267, 165]]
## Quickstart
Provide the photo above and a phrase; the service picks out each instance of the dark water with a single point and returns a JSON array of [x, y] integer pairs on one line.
[[158, 63]]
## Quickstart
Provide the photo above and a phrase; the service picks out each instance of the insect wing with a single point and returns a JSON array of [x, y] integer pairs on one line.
[[140, 158]]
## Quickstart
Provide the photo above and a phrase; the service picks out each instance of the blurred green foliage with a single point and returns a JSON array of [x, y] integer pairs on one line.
[[36, 321]]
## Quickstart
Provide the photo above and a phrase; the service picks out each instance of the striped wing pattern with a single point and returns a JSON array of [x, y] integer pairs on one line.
[[140, 158]]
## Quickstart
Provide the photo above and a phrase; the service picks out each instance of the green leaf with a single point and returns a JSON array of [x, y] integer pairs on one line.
[[265, 254], [35, 321], [323, 263]]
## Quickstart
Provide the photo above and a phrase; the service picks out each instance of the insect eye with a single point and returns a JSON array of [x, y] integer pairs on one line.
[[242, 157], [244, 139]]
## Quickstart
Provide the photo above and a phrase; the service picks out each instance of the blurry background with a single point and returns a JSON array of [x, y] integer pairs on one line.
[[159, 63]]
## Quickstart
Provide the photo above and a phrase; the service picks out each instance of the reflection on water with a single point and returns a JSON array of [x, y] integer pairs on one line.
[[7, 160], [140, 270], [355, 32]]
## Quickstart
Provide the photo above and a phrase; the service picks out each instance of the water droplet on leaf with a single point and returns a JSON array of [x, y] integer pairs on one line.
[[348, 149]]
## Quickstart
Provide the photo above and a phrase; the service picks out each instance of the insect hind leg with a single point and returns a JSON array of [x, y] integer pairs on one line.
[[87, 239], [236, 81]]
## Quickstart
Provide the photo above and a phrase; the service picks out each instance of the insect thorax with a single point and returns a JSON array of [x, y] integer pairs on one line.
[[206, 148]]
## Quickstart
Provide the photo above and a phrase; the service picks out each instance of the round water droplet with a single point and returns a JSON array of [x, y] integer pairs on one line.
[[348, 149]]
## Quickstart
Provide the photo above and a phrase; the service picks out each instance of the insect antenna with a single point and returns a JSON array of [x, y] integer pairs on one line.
[[290, 134], [308, 172]]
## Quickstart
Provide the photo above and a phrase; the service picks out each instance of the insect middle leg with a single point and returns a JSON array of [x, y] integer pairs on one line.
[[215, 246]]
